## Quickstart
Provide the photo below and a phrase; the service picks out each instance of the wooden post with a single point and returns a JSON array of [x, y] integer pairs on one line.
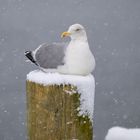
[[52, 113]]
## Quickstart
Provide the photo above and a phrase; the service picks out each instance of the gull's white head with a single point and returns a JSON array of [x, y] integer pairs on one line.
[[76, 32]]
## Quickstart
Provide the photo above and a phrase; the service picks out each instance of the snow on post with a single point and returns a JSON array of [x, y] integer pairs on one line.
[[60, 106], [119, 133]]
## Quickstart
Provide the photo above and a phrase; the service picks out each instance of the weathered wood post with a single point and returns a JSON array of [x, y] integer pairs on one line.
[[59, 107]]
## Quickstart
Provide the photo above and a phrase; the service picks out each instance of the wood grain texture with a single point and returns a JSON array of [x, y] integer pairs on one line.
[[52, 113]]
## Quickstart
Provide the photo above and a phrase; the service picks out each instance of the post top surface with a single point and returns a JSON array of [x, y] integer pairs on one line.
[[41, 77]]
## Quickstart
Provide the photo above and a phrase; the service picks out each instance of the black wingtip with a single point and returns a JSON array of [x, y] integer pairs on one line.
[[28, 54]]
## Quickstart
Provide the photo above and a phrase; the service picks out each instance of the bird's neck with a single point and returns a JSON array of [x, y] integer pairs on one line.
[[78, 42], [79, 39]]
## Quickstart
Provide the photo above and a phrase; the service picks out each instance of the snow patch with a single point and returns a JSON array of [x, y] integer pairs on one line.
[[119, 133], [85, 86]]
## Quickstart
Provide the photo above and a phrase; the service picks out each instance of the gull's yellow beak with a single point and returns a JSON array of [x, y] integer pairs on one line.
[[64, 34]]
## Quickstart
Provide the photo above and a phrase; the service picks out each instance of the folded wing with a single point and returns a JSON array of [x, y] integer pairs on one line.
[[50, 55]]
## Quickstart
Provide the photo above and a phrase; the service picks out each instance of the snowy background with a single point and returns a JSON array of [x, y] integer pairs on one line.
[[113, 28]]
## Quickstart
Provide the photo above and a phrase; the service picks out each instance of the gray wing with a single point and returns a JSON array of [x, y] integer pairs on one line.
[[50, 56]]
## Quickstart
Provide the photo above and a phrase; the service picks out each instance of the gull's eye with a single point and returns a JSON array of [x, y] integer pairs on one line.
[[77, 30]]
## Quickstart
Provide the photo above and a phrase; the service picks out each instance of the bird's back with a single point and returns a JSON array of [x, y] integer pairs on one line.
[[50, 56]]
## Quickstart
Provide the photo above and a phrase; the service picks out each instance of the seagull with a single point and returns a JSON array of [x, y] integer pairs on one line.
[[73, 58]]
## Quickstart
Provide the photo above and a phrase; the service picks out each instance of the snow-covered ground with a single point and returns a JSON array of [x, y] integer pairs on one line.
[[119, 133], [85, 86]]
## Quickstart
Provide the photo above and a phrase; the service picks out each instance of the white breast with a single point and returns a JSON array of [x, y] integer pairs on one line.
[[78, 58]]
